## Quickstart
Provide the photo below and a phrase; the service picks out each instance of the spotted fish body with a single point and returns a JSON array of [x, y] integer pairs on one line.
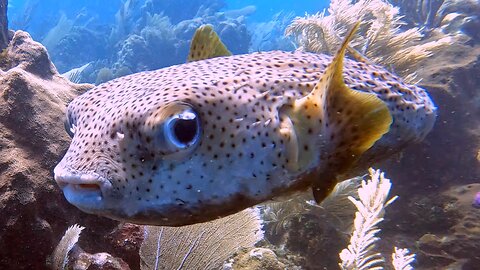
[[258, 134]]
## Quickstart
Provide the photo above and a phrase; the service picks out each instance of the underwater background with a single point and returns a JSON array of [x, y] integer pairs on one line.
[[432, 43], [122, 37]]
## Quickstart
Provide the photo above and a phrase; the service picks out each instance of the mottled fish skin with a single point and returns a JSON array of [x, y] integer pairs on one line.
[[114, 167]]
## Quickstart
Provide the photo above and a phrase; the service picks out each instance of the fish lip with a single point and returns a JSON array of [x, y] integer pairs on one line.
[[80, 179], [85, 190]]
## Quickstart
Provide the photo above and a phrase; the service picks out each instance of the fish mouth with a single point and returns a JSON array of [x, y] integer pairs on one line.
[[84, 190]]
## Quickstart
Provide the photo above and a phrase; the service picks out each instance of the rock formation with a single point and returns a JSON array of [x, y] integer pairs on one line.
[[33, 212]]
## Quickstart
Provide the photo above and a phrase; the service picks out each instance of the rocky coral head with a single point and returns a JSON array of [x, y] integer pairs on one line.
[[30, 55]]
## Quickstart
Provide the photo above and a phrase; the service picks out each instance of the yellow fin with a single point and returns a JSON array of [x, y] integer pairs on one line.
[[206, 44], [351, 122]]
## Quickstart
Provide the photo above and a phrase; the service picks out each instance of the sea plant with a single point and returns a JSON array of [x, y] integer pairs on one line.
[[381, 38], [371, 203], [68, 241]]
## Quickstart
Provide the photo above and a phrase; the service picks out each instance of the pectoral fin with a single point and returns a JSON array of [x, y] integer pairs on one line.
[[351, 122], [206, 44]]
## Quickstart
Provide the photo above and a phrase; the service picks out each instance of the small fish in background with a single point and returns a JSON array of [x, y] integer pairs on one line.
[[476, 200], [194, 142]]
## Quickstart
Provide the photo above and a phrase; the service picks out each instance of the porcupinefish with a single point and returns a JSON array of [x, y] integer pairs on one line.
[[201, 140]]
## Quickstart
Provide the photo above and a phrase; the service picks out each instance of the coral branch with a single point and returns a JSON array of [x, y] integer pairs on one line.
[[401, 260], [373, 194], [60, 255]]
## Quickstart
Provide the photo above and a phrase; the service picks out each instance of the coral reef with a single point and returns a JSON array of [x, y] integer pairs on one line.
[[160, 43], [141, 38], [22, 19], [312, 244], [152, 48], [200, 246], [401, 259], [33, 97], [448, 155], [381, 39]]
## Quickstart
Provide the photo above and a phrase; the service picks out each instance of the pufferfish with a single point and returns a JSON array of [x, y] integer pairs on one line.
[[197, 141]]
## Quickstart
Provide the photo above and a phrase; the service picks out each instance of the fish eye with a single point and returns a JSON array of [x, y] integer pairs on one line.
[[69, 125], [182, 129], [175, 129]]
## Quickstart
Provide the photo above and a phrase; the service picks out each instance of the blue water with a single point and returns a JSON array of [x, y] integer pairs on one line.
[[267, 8], [94, 32], [104, 10]]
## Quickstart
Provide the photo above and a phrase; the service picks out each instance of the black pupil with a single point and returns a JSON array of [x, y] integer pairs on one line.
[[185, 130]]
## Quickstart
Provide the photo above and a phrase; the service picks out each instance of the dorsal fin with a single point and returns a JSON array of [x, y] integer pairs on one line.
[[358, 56], [349, 123], [206, 44]]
